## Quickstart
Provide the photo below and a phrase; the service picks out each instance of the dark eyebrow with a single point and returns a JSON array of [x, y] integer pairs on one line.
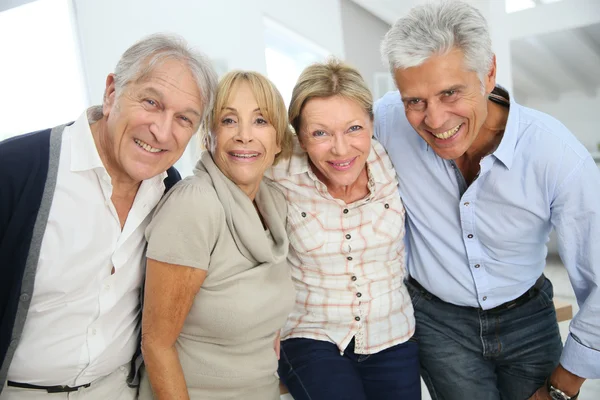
[[234, 110], [152, 91]]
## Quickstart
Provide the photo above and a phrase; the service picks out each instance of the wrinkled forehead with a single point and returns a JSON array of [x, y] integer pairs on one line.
[[436, 74]]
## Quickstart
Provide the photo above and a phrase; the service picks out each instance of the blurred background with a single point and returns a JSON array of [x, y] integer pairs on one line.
[[55, 55]]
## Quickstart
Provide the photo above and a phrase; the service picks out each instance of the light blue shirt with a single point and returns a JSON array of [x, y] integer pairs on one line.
[[485, 244]]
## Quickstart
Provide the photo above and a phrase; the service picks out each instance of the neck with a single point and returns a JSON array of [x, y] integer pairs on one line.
[[250, 190], [347, 193], [489, 135], [123, 185]]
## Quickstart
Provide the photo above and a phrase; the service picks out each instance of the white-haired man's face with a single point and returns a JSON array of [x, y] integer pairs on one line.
[[150, 122], [444, 102]]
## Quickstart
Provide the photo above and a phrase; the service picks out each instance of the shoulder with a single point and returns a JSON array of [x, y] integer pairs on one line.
[[24, 159], [26, 148], [192, 198], [545, 137]]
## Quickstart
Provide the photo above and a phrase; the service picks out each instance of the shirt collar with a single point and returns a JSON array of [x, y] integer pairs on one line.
[[506, 149], [375, 162], [84, 154]]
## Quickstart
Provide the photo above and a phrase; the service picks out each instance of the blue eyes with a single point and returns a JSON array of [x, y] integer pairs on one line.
[[258, 121], [320, 134]]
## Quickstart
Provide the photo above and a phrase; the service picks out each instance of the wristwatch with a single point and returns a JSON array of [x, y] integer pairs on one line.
[[557, 394]]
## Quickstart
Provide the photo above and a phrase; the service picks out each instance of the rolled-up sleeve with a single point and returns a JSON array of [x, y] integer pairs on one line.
[[576, 218]]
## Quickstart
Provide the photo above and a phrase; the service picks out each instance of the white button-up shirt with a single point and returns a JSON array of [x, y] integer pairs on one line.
[[347, 259], [83, 322]]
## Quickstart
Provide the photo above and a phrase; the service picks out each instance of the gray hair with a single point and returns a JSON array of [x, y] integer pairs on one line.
[[139, 61], [437, 28]]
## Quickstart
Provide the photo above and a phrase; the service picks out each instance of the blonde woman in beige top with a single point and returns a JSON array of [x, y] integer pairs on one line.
[[218, 288]]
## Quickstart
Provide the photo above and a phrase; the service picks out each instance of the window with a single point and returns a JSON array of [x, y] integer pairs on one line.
[[287, 54], [519, 5], [42, 84]]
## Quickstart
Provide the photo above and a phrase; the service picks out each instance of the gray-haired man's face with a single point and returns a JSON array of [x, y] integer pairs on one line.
[[151, 122], [444, 102]]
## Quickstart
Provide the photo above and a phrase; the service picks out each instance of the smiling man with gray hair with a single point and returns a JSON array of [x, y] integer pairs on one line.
[[74, 205], [484, 180]]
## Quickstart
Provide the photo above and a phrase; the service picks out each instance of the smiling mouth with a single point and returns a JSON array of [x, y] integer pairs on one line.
[[244, 156], [147, 147], [448, 134], [342, 164]]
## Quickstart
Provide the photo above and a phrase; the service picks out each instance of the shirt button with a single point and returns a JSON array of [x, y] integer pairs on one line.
[[387, 205], [466, 204], [477, 265], [348, 236], [357, 318], [354, 278], [345, 211], [349, 258], [303, 214], [94, 332], [24, 297], [484, 298], [359, 294], [470, 236]]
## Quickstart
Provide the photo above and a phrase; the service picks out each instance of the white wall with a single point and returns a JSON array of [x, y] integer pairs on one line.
[[362, 36], [579, 113], [227, 30]]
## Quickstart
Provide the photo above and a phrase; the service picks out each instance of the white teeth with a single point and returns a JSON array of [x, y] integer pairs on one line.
[[447, 134], [343, 164], [146, 146], [245, 155]]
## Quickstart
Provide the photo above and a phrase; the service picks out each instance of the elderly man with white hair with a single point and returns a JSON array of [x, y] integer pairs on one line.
[[74, 205], [484, 180]]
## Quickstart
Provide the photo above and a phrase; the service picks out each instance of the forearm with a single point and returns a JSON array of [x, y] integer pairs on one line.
[[165, 372]]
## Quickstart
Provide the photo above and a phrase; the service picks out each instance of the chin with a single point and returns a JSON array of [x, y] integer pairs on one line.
[[140, 175]]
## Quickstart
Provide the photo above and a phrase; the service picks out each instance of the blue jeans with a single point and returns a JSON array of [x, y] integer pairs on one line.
[[468, 353], [315, 370]]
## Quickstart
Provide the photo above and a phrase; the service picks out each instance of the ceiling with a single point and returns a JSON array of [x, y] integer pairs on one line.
[[554, 47]]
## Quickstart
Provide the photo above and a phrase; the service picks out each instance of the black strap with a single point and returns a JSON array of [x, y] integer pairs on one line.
[[49, 389]]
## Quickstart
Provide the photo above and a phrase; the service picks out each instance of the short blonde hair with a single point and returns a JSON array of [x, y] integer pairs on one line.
[[269, 101], [331, 78]]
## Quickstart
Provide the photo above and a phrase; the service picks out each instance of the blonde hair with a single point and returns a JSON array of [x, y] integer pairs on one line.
[[331, 78], [269, 101]]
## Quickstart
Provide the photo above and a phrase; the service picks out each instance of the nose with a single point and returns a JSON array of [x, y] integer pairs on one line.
[[162, 126], [244, 133], [340, 144], [434, 116]]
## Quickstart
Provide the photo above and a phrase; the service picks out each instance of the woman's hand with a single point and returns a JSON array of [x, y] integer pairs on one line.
[[277, 344]]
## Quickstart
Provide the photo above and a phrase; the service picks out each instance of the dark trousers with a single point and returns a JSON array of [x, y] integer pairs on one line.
[[315, 370], [468, 353]]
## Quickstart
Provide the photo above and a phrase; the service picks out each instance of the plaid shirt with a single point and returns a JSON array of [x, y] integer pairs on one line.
[[347, 259]]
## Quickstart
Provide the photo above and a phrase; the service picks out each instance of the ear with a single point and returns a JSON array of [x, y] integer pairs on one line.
[[490, 78], [108, 102]]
